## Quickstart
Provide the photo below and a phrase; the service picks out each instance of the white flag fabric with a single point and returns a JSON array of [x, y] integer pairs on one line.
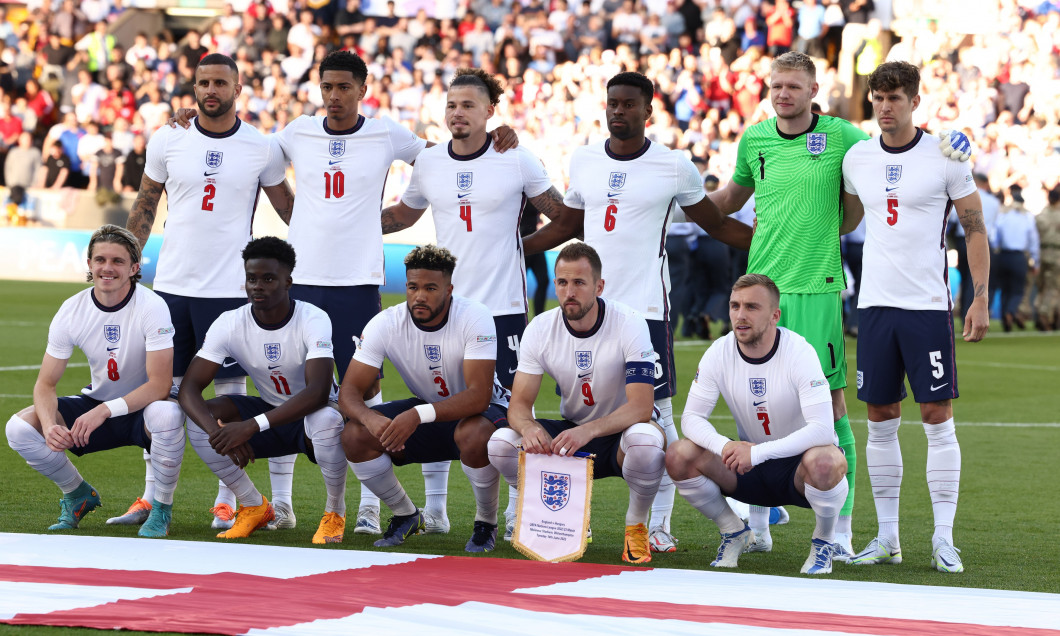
[[555, 494]]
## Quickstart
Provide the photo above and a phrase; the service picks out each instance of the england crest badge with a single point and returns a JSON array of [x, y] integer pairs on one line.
[[112, 332], [272, 351], [337, 147], [463, 180], [617, 180], [433, 352], [893, 174], [758, 386], [816, 142], [213, 158], [555, 490], [584, 359]]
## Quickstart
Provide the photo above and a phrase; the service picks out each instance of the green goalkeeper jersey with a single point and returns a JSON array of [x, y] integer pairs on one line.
[[798, 184]]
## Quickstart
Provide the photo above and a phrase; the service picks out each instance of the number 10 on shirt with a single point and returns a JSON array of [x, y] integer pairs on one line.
[[334, 184]]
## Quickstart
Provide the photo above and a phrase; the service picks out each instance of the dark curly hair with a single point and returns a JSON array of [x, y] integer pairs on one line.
[[345, 61], [431, 257], [481, 79], [636, 80], [270, 247]]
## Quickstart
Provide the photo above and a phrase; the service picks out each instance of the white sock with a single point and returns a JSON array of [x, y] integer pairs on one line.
[[368, 498], [826, 505], [436, 485], [758, 519], [643, 468], [943, 476], [503, 449], [883, 455], [378, 475], [281, 476], [234, 477], [324, 428], [55, 465], [230, 386], [224, 493], [485, 484], [843, 525], [662, 508], [149, 477], [513, 498], [705, 496], [165, 422]]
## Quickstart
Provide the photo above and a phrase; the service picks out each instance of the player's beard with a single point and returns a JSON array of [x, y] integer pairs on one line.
[[574, 315], [222, 108], [434, 312]]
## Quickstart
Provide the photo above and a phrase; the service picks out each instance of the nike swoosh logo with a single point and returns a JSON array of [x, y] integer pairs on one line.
[[333, 162], [511, 371], [611, 195], [227, 364], [433, 368], [461, 196], [760, 403], [936, 388], [271, 367], [210, 174], [891, 189], [112, 348], [659, 386], [585, 375]]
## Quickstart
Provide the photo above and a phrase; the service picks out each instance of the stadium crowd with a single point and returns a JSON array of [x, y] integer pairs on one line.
[[77, 107]]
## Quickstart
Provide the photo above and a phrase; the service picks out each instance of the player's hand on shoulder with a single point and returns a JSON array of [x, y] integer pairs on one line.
[[537, 440], [737, 456], [955, 145], [86, 423], [232, 435], [571, 440], [58, 438], [504, 138], [182, 118]]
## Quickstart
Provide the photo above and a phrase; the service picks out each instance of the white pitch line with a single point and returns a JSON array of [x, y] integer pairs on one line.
[[14, 395], [35, 367], [729, 418]]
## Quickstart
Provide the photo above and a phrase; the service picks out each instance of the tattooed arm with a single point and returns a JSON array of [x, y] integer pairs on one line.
[[281, 196], [565, 223], [142, 217], [399, 216], [970, 213]]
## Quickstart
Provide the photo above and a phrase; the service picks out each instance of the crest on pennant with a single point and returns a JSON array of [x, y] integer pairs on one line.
[[213, 158], [433, 352], [816, 142], [272, 351], [758, 386], [584, 359], [555, 490], [463, 180], [337, 147], [617, 180], [112, 332], [893, 173]]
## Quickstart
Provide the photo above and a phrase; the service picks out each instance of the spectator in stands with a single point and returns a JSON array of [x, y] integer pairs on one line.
[[22, 163], [56, 170], [780, 18], [106, 167]]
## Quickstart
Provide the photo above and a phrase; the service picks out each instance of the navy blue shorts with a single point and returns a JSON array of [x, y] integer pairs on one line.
[[605, 448], [509, 332], [276, 441], [662, 340], [349, 308], [771, 483], [434, 442], [192, 318], [115, 432], [893, 343]]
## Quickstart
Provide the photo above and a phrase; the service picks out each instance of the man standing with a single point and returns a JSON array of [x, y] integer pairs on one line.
[[445, 348], [1048, 308], [904, 188], [601, 358], [211, 175], [285, 345], [125, 332], [477, 196], [628, 188], [772, 382]]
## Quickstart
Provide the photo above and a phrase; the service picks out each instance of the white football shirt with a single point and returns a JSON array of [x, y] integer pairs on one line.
[[629, 205], [907, 193], [477, 201], [431, 360], [273, 355], [768, 397], [212, 183], [592, 368], [115, 339], [339, 175]]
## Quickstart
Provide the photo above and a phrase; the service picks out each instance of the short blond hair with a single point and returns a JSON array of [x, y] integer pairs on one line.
[[119, 236], [794, 61], [754, 280]]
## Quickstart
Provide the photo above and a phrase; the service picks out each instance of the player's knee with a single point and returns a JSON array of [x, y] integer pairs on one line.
[[503, 443], [164, 418], [19, 432], [355, 440], [323, 422], [473, 434], [883, 412], [680, 457], [936, 412], [825, 466]]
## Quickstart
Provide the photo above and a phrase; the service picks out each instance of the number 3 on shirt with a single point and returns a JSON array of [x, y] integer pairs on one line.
[[892, 211]]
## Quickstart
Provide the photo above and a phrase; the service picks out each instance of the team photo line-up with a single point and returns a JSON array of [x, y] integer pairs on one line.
[[288, 314]]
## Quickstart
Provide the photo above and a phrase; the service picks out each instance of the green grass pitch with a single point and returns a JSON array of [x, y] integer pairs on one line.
[[1007, 426]]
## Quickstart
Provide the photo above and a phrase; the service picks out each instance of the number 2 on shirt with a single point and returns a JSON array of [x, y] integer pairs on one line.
[[208, 193]]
